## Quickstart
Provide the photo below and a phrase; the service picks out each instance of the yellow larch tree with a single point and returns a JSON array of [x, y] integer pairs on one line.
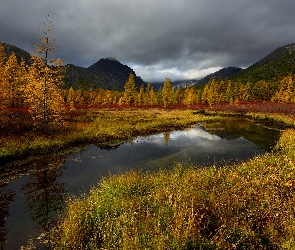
[[4, 87], [167, 92], [45, 76], [130, 93], [15, 75]]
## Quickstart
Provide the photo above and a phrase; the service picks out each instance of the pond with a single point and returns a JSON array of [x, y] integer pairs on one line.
[[32, 192]]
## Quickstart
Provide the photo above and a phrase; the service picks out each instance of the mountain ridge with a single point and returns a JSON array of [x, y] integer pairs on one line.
[[223, 73], [279, 62], [107, 73]]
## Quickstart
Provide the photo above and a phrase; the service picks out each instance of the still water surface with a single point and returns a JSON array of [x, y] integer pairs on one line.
[[31, 193]]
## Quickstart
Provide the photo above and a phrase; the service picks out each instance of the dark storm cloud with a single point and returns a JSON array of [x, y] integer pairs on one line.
[[182, 39]]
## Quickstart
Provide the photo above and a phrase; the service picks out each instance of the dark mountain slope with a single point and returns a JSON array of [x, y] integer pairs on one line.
[[223, 73], [280, 62], [8, 49], [116, 72]]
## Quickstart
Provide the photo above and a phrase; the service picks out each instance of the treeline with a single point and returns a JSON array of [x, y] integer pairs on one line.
[[280, 90], [40, 85]]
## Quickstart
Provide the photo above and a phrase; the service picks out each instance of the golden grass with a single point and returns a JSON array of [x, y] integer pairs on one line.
[[247, 206], [100, 126]]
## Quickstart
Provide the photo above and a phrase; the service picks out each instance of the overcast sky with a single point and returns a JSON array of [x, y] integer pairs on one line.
[[184, 39]]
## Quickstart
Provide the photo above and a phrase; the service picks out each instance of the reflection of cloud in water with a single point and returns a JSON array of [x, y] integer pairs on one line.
[[196, 133]]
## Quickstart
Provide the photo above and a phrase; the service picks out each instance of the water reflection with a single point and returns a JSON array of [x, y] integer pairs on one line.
[[32, 200], [6, 197], [33, 192], [166, 137], [44, 195], [230, 129]]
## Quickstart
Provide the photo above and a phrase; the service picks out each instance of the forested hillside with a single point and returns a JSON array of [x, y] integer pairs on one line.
[[278, 63]]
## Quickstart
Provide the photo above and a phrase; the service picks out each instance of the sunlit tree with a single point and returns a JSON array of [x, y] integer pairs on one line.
[[71, 98], [130, 93], [285, 93], [15, 75], [189, 96], [4, 86], [167, 92], [141, 95], [45, 76]]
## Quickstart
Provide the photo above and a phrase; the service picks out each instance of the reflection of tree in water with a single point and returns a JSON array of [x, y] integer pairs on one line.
[[6, 197], [166, 137], [233, 128], [45, 196]]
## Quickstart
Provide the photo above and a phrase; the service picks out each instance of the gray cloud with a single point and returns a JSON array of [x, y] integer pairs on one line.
[[184, 39]]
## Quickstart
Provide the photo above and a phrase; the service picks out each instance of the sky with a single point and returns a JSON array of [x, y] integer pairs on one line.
[[181, 39]]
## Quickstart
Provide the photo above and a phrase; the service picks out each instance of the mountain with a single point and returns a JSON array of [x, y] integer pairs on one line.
[[106, 73], [278, 63], [175, 84], [117, 72], [185, 83], [223, 73]]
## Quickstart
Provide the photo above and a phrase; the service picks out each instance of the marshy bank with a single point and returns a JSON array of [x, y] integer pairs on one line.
[[246, 206], [114, 126], [41, 186], [100, 126]]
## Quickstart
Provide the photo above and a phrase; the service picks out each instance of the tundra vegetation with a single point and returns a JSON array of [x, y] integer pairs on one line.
[[244, 206]]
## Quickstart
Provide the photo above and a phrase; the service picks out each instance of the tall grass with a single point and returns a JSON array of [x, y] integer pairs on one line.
[[246, 206]]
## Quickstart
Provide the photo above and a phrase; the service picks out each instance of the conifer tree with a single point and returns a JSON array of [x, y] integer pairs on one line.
[[189, 96], [159, 96], [15, 75], [45, 76], [130, 93], [71, 98], [178, 96], [229, 93], [152, 96], [147, 96], [206, 94], [166, 92], [4, 87], [141, 94]]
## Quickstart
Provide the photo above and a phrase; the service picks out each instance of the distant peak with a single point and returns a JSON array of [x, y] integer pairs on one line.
[[111, 59]]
